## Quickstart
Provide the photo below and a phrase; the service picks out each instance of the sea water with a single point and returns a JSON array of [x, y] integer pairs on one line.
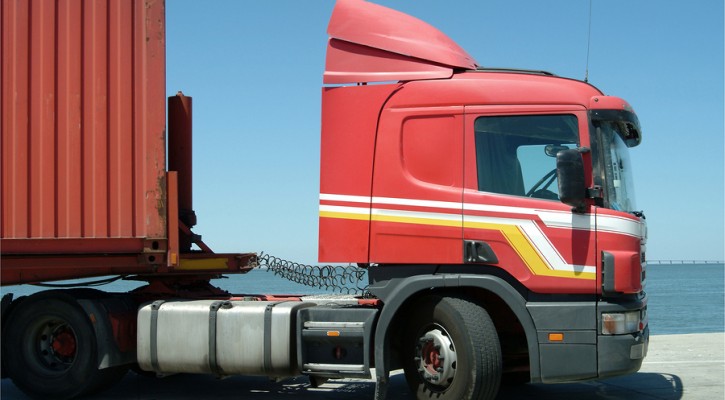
[[683, 298], [686, 298]]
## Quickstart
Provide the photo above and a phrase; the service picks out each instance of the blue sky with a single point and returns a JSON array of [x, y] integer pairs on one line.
[[254, 69]]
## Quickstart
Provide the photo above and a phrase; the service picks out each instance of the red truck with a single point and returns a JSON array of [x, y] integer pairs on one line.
[[492, 210]]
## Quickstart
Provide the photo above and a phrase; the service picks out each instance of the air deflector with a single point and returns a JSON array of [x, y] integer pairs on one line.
[[372, 43]]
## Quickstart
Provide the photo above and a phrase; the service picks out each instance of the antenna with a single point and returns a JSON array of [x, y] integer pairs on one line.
[[589, 42]]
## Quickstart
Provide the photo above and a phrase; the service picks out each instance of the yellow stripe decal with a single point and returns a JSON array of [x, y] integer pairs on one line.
[[416, 220], [518, 240], [192, 264], [343, 215], [528, 253]]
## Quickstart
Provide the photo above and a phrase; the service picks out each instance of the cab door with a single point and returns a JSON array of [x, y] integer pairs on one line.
[[418, 186], [512, 216]]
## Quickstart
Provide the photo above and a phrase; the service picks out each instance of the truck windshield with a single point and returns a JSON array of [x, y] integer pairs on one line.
[[614, 171]]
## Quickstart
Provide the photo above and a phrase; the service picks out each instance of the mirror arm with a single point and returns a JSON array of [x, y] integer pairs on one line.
[[595, 192]]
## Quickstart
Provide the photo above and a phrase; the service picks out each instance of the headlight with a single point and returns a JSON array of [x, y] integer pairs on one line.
[[620, 323]]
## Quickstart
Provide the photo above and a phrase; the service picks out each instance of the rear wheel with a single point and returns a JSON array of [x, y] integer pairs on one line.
[[50, 348], [451, 350]]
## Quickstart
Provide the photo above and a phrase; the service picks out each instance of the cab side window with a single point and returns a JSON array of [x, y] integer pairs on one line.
[[516, 154]]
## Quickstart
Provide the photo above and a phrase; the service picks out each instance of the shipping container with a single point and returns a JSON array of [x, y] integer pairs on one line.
[[85, 190]]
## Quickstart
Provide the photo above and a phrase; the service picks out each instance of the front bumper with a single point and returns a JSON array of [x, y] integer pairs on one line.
[[621, 354], [585, 353]]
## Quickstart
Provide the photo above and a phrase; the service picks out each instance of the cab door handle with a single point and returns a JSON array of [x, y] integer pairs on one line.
[[476, 251]]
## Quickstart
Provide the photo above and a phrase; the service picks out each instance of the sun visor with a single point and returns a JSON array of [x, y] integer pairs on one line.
[[371, 43]]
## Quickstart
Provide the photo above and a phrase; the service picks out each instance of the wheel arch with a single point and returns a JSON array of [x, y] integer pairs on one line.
[[400, 293]]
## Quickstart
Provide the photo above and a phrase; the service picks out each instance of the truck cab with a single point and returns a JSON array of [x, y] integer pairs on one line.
[[512, 188]]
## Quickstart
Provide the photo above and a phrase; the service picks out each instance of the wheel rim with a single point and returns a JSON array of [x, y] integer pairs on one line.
[[56, 345], [435, 357]]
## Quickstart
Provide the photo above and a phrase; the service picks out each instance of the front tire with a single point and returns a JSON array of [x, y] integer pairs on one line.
[[451, 350], [50, 348]]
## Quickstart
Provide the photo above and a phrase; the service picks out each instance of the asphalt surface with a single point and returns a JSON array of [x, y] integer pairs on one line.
[[676, 367]]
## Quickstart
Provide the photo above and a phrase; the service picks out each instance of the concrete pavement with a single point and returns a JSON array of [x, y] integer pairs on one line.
[[677, 367]]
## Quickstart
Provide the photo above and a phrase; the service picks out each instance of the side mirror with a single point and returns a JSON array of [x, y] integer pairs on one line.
[[570, 174]]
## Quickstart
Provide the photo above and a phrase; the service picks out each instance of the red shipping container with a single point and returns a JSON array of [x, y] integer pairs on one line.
[[83, 138]]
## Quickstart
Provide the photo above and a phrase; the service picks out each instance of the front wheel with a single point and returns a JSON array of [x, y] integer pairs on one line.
[[451, 350]]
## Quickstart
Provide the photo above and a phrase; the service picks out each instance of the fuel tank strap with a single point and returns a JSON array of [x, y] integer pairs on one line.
[[267, 365], [213, 309], [154, 342]]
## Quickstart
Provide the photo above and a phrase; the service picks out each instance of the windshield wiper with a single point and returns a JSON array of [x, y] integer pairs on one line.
[[639, 214]]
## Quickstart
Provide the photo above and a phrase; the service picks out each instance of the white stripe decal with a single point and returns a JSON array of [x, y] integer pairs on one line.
[[552, 219], [549, 254], [540, 241], [418, 203], [344, 197]]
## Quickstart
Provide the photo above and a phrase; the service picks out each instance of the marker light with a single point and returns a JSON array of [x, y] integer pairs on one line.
[[620, 323], [556, 337]]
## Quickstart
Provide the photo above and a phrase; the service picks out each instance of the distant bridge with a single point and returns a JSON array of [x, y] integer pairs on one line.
[[668, 262]]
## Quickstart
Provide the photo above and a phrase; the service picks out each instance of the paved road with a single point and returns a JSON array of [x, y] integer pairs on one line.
[[677, 367]]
